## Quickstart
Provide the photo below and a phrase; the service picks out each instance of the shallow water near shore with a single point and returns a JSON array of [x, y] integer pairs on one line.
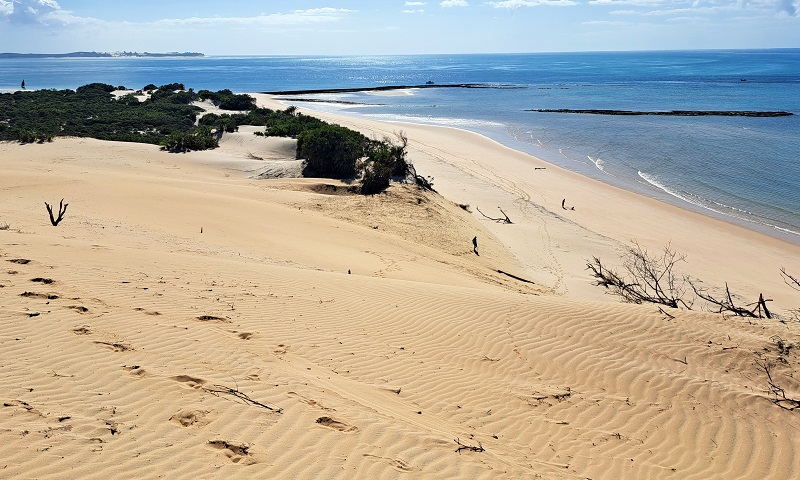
[[741, 169]]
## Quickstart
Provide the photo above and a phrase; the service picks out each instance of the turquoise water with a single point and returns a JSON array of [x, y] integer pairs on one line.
[[745, 170]]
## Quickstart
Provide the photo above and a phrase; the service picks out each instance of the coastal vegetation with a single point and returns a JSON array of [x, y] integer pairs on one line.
[[167, 116]]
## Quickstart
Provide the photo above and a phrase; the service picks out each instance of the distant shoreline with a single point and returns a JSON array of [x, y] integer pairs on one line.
[[101, 55], [671, 113], [392, 87]]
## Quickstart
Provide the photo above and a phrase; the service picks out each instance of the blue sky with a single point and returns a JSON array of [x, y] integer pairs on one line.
[[395, 26]]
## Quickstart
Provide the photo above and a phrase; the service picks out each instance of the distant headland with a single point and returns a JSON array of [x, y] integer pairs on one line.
[[100, 55]]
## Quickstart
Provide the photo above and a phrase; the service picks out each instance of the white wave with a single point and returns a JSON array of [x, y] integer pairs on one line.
[[444, 121], [689, 198], [601, 165]]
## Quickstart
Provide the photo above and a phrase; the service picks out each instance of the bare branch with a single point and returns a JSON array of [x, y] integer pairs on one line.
[[790, 280], [62, 209], [505, 218], [469, 448], [728, 305], [647, 279], [779, 393]]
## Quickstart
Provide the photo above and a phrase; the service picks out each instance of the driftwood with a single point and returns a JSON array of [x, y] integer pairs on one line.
[[790, 280], [647, 280], [779, 394], [62, 209], [727, 304], [469, 448], [218, 390], [505, 218]]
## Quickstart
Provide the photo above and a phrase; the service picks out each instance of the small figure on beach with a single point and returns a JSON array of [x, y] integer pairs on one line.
[[564, 205], [475, 246], [23, 84]]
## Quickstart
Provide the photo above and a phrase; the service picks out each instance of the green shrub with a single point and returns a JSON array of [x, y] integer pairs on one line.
[[227, 100], [180, 142], [103, 87], [172, 87], [375, 179], [330, 151]]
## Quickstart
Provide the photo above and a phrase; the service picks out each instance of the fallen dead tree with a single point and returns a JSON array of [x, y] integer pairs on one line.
[[646, 279], [726, 303], [503, 219]]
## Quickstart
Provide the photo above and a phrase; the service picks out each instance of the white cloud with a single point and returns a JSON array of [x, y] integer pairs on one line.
[[413, 10], [297, 17], [638, 3], [454, 3], [31, 11], [513, 4], [416, 4]]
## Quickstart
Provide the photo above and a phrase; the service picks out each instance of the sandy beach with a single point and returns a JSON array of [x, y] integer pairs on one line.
[[194, 318]]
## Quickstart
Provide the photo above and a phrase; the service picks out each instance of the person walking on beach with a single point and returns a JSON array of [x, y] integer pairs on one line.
[[475, 246], [23, 84]]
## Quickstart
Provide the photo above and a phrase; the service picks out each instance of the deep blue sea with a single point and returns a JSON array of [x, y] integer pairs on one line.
[[746, 170]]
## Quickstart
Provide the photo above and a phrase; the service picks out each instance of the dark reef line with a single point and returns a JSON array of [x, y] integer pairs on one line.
[[673, 113], [320, 100], [390, 87]]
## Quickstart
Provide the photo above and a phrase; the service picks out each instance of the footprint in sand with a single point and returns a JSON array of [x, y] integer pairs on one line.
[[78, 308], [84, 330], [395, 463], [190, 417], [236, 452], [191, 382], [336, 425], [45, 296], [46, 281], [116, 347], [19, 261], [135, 370], [245, 335]]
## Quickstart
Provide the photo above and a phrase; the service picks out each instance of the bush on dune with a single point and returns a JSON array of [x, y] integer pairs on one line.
[[227, 100], [330, 151], [181, 142]]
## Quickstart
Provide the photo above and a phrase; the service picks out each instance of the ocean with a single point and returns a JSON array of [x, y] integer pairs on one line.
[[742, 169]]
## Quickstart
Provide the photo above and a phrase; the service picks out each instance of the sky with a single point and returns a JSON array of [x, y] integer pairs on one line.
[[361, 27]]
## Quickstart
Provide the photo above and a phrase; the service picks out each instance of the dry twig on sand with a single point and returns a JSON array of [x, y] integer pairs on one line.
[[505, 218], [469, 448], [218, 390], [62, 209], [780, 399]]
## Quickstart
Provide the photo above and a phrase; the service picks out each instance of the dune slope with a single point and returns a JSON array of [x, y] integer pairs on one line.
[[134, 346]]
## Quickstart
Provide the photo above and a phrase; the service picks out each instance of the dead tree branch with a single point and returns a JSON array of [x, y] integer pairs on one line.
[[62, 209], [727, 304], [647, 279], [469, 448], [505, 218], [780, 399], [218, 390], [790, 280]]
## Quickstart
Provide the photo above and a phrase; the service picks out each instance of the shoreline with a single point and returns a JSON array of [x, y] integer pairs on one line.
[[643, 186], [389, 88], [553, 245]]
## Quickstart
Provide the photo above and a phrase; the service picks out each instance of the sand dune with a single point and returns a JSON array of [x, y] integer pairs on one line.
[[553, 244], [147, 349]]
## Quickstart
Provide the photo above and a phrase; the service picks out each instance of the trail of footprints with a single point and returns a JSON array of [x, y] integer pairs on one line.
[[238, 453]]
